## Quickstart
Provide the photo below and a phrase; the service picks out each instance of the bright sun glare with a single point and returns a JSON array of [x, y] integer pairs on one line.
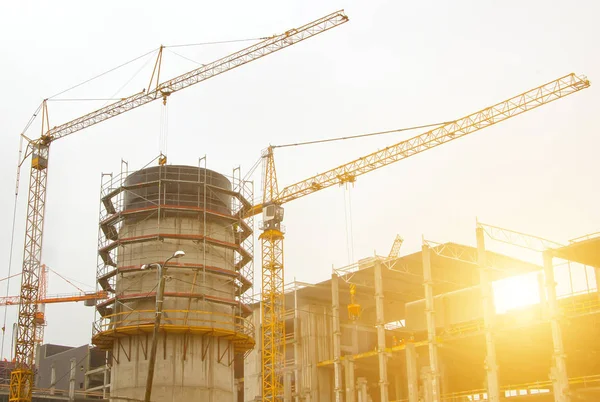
[[524, 290], [516, 292]]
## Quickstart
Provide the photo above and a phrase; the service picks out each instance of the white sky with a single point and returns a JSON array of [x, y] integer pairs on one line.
[[395, 64]]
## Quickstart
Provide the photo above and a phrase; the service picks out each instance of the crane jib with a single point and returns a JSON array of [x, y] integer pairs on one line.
[[489, 116]]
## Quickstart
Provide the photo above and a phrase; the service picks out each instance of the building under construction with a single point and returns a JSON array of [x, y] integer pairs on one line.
[[422, 327], [417, 327]]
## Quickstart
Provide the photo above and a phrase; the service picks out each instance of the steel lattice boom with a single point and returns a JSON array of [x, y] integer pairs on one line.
[[164, 89], [522, 103]]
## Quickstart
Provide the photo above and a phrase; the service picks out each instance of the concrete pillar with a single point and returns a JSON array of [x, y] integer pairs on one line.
[[350, 387], [426, 374], [430, 315], [362, 390], [312, 345], [287, 386], [297, 350], [412, 373], [487, 299], [106, 380], [543, 299], [383, 379], [52, 378], [337, 338], [72, 380], [558, 373]]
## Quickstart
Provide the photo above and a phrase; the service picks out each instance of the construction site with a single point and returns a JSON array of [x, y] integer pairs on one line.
[[192, 301]]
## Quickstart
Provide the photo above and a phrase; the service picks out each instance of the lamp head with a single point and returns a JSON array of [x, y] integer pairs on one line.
[[178, 253]]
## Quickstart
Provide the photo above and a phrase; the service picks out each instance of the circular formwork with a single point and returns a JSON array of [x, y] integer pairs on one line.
[[160, 210]]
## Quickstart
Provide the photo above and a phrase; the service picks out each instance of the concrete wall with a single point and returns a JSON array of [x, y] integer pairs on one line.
[[61, 358]]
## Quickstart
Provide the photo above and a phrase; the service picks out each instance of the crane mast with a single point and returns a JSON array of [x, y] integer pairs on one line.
[[21, 381], [272, 296]]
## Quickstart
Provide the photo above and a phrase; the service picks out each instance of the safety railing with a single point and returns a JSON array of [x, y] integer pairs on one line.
[[175, 320]]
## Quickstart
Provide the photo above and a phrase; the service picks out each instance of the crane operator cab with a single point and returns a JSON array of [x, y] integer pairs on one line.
[[272, 217]]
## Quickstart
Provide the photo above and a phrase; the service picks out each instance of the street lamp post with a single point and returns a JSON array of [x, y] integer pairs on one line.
[[158, 315]]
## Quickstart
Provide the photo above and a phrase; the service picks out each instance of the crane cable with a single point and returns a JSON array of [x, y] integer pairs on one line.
[[352, 137], [12, 241], [163, 131], [348, 223]]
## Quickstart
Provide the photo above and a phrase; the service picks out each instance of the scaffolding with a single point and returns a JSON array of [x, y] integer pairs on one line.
[[146, 212]]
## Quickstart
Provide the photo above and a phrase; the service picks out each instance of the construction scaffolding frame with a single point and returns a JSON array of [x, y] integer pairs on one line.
[[131, 215]]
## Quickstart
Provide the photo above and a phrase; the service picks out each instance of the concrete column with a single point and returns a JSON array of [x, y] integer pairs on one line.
[[487, 299], [312, 346], [543, 300], [287, 386], [349, 370], [72, 380], [297, 350], [430, 315], [337, 338], [52, 378], [597, 275], [412, 373], [383, 379], [426, 374], [558, 373], [362, 390], [106, 381]]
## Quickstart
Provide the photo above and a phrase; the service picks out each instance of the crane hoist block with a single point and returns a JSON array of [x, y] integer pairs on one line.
[[354, 311]]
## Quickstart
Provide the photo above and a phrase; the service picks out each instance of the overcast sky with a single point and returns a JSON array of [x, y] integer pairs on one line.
[[395, 64]]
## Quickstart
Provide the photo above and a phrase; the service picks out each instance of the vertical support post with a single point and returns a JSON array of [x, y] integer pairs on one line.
[[430, 315], [349, 370], [72, 380], [105, 381], [426, 380], [543, 299], [297, 351], [383, 380], [313, 356], [558, 373], [487, 300], [412, 375], [597, 275], [287, 386], [362, 390], [52, 378], [337, 336]]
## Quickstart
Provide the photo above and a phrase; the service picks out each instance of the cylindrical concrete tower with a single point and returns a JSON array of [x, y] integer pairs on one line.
[[147, 217]]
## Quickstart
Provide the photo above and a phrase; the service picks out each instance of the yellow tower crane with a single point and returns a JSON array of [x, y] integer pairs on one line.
[[21, 380], [272, 237]]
